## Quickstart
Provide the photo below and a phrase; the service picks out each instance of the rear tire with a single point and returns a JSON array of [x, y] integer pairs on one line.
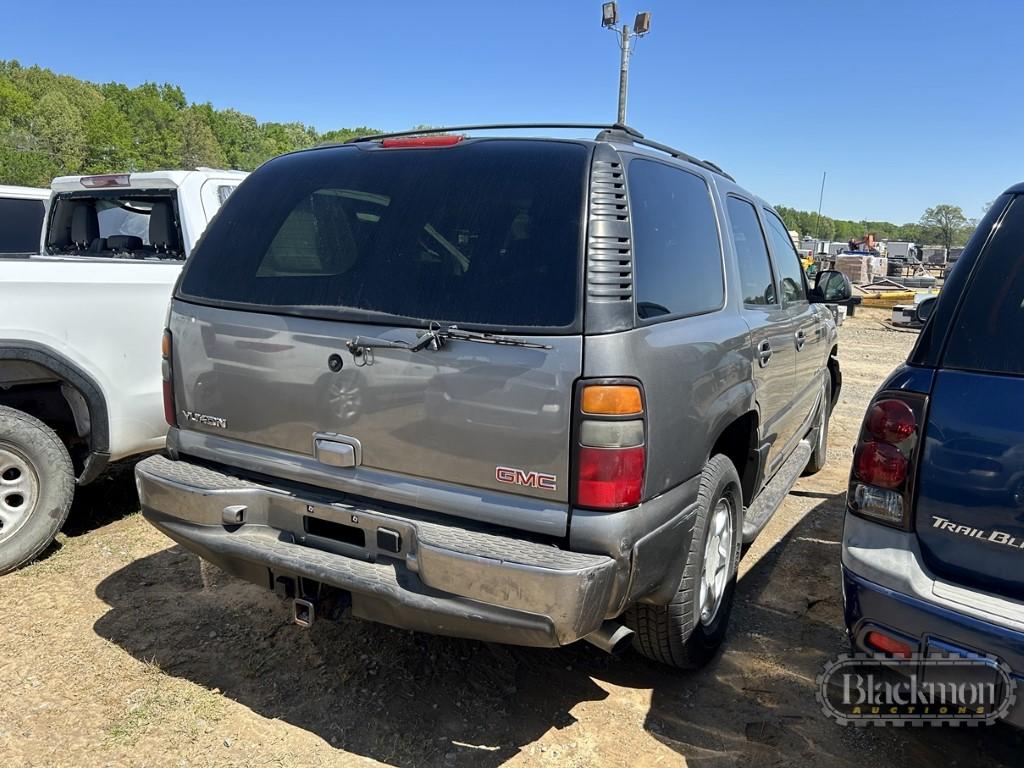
[[37, 484], [688, 631], [820, 453]]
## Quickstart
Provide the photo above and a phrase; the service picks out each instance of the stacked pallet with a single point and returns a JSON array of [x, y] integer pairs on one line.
[[861, 267]]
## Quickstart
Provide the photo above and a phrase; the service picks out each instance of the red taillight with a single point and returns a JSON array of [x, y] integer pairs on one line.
[[169, 415], [891, 421], [170, 412], [609, 478], [889, 645], [610, 435], [882, 480], [420, 141], [880, 464]]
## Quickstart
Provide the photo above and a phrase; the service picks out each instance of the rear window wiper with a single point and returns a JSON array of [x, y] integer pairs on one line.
[[454, 332], [435, 338]]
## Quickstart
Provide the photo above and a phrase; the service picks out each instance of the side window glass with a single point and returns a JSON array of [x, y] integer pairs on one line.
[[756, 282], [985, 336], [677, 249], [20, 225], [791, 272]]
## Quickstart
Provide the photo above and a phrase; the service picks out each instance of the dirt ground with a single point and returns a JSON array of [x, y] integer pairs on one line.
[[119, 649]]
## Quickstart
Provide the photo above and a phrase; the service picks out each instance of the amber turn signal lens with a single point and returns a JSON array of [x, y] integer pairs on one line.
[[165, 345], [612, 400]]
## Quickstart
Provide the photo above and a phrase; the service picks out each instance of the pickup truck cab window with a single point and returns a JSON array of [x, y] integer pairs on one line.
[[20, 222]]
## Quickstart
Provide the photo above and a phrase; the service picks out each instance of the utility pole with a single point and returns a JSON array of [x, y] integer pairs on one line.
[[821, 196], [623, 74], [641, 26]]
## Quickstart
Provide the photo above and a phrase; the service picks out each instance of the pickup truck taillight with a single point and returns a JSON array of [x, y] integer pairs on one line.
[[170, 415], [884, 462], [610, 449]]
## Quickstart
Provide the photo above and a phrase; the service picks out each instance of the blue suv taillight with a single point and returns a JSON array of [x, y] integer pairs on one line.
[[882, 479]]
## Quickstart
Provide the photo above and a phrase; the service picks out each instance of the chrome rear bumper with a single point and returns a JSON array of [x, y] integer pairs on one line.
[[414, 570]]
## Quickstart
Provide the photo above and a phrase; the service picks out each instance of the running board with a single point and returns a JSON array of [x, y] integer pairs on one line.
[[770, 498]]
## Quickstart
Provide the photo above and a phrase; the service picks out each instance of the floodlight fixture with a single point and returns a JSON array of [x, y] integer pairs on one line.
[[609, 14], [642, 23]]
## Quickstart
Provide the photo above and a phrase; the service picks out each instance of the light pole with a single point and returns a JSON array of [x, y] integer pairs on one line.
[[641, 26]]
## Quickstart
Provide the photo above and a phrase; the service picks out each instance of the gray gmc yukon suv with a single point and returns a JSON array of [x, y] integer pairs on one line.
[[524, 390]]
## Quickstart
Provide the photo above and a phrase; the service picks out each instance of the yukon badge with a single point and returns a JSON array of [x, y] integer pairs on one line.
[[206, 420], [513, 476]]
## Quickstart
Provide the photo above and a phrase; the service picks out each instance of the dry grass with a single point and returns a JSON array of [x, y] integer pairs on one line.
[[171, 704]]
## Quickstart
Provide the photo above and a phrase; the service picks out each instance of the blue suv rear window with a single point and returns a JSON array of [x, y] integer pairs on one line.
[[986, 334], [481, 233]]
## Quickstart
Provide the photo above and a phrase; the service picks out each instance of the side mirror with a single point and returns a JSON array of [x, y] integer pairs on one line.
[[831, 287], [925, 309]]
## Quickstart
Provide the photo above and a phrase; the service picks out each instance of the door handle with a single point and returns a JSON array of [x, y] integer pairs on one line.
[[764, 353], [801, 338]]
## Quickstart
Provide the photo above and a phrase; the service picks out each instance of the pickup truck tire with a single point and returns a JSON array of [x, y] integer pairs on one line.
[[37, 484], [820, 453], [678, 634]]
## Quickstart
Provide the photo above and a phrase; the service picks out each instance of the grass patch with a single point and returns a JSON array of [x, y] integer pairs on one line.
[[183, 707]]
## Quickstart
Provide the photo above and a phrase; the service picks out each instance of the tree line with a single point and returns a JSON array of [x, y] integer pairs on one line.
[[53, 125], [943, 224]]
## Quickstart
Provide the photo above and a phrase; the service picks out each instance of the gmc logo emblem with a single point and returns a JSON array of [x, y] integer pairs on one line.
[[514, 476]]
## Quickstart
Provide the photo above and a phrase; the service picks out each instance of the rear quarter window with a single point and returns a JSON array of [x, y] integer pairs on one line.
[[21, 224], [677, 250], [986, 333]]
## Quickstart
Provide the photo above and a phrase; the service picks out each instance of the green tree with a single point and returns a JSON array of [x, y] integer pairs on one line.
[[278, 138], [58, 130], [154, 112], [108, 140], [199, 146], [239, 137], [53, 125], [946, 224]]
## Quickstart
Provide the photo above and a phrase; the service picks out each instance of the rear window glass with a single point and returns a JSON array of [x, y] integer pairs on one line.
[[986, 335], [482, 233], [21, 223], [676, 246]]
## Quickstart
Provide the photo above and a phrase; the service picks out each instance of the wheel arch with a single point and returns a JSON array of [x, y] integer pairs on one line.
[[82, 385], [835, 373], [736, 434]]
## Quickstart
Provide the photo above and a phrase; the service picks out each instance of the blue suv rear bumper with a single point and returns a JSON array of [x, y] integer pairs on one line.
[[925, 625]]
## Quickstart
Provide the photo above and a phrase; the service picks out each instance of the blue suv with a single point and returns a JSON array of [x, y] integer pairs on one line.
[[933, 542]]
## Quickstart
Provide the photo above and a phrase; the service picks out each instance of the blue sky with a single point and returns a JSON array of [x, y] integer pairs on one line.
[[906, 103]]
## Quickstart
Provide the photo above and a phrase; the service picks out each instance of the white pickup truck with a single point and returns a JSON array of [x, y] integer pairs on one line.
[[80, 328]]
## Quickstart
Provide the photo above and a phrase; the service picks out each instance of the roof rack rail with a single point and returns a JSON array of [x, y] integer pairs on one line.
[[633, 137], [495, 127], [609, 132]]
